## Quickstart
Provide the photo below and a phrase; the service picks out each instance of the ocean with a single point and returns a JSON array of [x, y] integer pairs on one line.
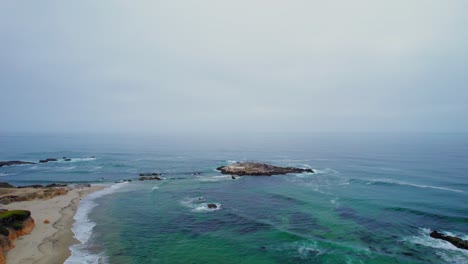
[[373, 199]]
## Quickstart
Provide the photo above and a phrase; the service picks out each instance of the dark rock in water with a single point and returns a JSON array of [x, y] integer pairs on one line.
[[456, 241], [14, 162], [47, 160], [67, 159], [259, 169], [233, 178], [126, 180], [212, 206], [6, 185], [149, 178], [149, 174]]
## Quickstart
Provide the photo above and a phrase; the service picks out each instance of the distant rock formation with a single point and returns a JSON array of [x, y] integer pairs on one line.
[[149, 178], [259, 169], [13, 224], [47, 160], [456, 241], [14, 162], [150, 174]]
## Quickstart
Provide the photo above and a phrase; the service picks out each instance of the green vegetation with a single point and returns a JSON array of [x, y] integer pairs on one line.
[[4, 231], [17, 225], [15, 215]]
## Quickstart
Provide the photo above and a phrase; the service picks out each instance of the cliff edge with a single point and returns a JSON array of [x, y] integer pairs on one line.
[[13, 224]]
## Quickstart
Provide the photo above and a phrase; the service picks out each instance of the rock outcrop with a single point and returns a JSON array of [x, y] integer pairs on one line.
[[148, 174], [149, 178], [14, 162], [456, 241], [13, 224], [47, 160], [259, 169], [44, 193]]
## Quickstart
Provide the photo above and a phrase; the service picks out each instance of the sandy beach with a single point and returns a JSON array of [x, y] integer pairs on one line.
[[48, 243]]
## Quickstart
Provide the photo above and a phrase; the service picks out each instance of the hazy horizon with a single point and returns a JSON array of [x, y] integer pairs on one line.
[[212, 67]]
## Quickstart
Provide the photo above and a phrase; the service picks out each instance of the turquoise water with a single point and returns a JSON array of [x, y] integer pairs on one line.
[[373, 199]]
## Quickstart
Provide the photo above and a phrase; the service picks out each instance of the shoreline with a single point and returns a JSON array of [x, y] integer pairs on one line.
[[49, 243]]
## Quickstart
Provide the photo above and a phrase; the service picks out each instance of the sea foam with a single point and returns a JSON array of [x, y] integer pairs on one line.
[[83, 228], [389, 181]]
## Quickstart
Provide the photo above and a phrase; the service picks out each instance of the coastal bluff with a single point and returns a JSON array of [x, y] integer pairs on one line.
[[10, 194], [13, 224], [259, 169]]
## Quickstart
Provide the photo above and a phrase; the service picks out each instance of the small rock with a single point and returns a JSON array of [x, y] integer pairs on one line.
[[212, 206], [46, 221]]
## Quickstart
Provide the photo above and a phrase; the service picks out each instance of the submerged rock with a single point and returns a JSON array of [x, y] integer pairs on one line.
[[47, 160], [148, 174], [456, 241], [14, 162], [259, 169], [121, 181], [212, 206], [149, 178]]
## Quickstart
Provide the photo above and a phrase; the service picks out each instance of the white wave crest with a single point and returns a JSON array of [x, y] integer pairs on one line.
[[81, 159], [215, 178], [413, 185], [83, 228], [325, 171]]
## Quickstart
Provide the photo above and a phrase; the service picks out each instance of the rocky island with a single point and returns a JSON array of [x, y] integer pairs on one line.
[[259, 169], [14, 162]]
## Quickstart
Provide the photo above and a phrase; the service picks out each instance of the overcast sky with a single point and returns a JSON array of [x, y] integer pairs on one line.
[[217, 66]]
